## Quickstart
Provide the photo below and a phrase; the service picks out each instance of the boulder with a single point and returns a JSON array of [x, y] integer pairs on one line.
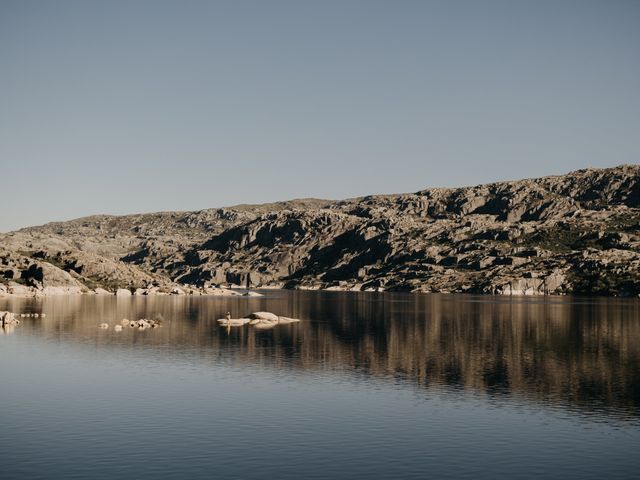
[[233, 322], [56, 291], [263, 316], [21, 290], [554, 283], [287, 320], [123, 292], [263, 324], [44, 274], [7, 318], [271, 322]]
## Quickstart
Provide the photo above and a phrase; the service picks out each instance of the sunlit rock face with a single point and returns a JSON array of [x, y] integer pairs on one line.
[[575, 233]]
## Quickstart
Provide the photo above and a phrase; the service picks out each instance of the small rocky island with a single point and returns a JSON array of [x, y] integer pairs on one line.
[[572, 234], [259, 320]]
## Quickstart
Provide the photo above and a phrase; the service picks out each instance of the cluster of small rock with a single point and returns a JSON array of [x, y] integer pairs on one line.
[[259, 320], [142, 324], [34, 315], [10, 318]]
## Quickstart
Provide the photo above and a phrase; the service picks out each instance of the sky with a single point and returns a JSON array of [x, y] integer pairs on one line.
[[138, 106]]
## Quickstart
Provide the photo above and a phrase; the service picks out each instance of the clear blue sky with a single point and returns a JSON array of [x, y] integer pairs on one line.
[[133, 106]]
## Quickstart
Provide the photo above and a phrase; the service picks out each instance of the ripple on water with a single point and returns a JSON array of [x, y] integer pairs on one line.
[[392, 386]]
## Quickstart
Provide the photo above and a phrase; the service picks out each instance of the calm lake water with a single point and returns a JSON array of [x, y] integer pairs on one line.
[[366, 386]]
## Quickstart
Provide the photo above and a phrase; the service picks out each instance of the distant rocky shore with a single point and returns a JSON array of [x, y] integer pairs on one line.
[[571, 234], [17, 290]]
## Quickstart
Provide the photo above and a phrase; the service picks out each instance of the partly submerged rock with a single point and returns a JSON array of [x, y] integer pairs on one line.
[[8, 318], [233, 322], [220, 292], [264, 320], [263, 324], [287, 320], [123, 292], [263, 316]]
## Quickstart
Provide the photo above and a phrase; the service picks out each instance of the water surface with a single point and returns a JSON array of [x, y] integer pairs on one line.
[[366, 386]]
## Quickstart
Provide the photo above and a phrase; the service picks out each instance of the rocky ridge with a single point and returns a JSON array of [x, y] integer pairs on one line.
[[577, 233]]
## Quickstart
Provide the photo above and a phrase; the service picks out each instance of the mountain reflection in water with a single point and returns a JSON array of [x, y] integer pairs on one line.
[[576, 353]]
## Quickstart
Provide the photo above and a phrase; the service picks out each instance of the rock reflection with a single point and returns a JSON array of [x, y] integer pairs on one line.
[[581, 353]]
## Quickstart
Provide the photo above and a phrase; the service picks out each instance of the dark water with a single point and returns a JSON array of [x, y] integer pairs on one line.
[[367, 386]]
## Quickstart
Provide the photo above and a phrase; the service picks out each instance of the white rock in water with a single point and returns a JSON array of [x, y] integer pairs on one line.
[[286, 320], [123, 292], [118, 328], [263, 324], [7, 318], [124, 322], [101, 291], [43, 314], [143, 323], [233, 322], [104, 326], [263, 316]]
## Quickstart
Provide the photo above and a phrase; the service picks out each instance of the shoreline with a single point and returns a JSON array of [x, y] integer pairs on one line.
[[22, 291], [50, 292]]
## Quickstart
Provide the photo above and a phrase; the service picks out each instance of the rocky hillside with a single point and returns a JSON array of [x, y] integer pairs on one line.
[[576, 233]]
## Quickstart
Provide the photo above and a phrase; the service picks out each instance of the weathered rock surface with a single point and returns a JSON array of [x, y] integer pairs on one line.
[[261, 320], [233, 322], [263, 316], [101, 291], [8, 318], [576, 233]]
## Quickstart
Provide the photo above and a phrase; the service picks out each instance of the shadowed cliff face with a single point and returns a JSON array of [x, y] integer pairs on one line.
[[576, 233], [581, 354]]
